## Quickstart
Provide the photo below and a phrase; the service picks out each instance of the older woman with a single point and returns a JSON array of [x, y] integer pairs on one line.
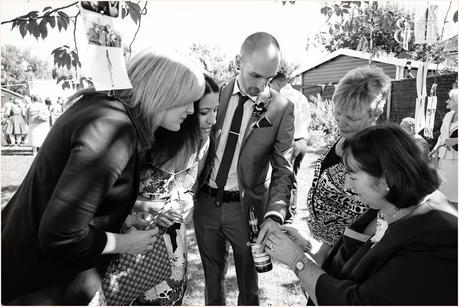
[[359, 100], [62, 227], [446, 149], [403, 250]]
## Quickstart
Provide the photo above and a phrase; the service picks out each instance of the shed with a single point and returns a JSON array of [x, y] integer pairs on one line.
[[321, 76]]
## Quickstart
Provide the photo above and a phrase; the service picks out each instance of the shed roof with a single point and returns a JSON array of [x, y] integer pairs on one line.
[[5, 90], [364, 55]]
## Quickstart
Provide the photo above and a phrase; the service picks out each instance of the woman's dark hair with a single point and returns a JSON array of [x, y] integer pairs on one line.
[[173, 145], [388, 151], [211, 85]]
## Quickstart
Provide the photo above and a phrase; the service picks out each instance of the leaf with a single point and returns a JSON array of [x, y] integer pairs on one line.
[[134, 11], [59, 23], [61, 78], [124, 12], [51, 20], [325, 10], [63, 14], [23, 29], [47, 8], [455, 17], [32, 27], [43, 29], [33, 14]]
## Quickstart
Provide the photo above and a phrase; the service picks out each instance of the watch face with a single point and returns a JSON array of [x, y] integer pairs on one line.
[[299, 265]]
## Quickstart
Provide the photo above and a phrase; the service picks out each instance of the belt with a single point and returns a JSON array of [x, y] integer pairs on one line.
[[228, 196]]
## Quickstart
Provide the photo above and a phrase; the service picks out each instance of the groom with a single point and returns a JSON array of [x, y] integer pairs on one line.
[[249, 164]]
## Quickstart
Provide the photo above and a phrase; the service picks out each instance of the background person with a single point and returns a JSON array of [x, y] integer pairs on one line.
[[302, 117], [37, 117], [235, 175], [359, 100], [445, 150], [409, 125], [18, 126], [83, 184], [403, 250]]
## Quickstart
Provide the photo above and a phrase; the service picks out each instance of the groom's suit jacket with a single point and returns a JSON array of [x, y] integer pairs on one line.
[[265, 172]]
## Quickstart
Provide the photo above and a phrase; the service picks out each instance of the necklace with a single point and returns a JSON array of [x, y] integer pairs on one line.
[[382, 224], [381, 227]]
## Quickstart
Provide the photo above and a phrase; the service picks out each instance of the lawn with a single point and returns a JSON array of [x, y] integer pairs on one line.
[[277, 287]]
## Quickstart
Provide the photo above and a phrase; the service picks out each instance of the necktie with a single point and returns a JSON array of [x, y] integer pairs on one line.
[[230, 146]]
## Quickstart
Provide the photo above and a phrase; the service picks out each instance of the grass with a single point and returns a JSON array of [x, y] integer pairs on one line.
[[277, 287]]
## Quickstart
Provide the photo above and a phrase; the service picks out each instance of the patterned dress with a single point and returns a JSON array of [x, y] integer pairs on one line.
[[331, 209], [158, 184]]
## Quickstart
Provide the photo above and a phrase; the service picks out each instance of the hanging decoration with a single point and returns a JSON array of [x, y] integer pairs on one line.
[[404, 32], [421, 79], [430, 112], [105, 58], [426, 27]]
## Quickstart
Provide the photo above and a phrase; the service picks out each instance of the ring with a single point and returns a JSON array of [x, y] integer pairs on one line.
[[271, 246]]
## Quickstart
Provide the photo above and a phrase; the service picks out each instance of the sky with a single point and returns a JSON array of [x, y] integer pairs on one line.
[[222, 23]]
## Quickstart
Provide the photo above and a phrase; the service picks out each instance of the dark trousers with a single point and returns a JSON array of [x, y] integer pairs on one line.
[[214, 227]]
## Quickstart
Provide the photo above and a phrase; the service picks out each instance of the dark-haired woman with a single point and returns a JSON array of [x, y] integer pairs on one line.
[[403, 250], [166, 192]]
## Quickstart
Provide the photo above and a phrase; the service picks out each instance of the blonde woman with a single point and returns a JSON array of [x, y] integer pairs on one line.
[[446, 149], [62, 227], [359, 100]]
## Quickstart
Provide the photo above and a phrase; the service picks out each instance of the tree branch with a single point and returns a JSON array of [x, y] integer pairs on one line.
[[138, 28], [39, 17], [74, 32]]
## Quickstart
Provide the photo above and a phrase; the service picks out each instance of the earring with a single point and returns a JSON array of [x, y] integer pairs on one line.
[[387, 189]]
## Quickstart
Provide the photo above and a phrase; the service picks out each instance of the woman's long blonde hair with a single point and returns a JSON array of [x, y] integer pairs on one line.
[[161, 79]]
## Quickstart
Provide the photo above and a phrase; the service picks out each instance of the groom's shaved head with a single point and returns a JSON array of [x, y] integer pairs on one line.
[[260, 42]]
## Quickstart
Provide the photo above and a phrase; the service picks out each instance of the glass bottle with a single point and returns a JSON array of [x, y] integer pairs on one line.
[[261, 259]]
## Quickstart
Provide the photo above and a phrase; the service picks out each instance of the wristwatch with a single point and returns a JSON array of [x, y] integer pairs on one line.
[[299, 266]]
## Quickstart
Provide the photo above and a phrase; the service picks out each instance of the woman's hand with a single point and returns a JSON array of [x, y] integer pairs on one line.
[[296, 237], [138, 241], [281, 247], [140, 221]]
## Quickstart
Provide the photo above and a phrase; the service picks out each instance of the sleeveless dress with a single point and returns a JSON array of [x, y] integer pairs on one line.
[[158, 184]]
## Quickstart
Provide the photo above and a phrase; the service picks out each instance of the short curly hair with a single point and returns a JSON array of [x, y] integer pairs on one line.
[[362, 87]]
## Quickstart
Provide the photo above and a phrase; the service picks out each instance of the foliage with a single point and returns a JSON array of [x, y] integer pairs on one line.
[[287, 67], [213, 61], [38, 24], [370, 27], [19, 66], [322, 126]]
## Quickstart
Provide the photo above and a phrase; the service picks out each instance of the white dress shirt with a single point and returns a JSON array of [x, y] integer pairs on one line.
[[232, 183]]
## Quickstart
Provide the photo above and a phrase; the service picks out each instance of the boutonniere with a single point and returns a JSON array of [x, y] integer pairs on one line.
[[259, 106]]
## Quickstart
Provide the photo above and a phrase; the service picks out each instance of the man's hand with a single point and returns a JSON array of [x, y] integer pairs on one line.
[[268, 226]]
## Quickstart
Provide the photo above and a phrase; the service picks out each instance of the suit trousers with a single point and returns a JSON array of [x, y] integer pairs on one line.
[[214, 227]]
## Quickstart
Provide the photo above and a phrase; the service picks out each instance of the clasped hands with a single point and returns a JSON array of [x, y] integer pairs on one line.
[[286, 245]]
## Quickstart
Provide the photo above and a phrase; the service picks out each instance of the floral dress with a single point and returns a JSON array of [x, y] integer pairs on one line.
[[158, 184]]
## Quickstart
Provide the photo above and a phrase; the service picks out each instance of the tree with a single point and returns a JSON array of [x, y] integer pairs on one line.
[[38, 24], [19, 66], [213, 61], [370, 27]]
